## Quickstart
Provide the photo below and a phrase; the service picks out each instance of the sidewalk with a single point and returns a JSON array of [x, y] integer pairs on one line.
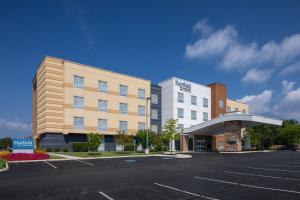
[[65, 156]]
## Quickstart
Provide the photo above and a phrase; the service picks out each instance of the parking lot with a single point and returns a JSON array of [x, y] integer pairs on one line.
[[273, 175]]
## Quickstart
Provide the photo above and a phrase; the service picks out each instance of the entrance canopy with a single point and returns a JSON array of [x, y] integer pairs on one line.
[[218, 124]]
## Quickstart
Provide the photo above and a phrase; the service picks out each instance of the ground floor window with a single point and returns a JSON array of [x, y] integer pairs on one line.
[[191, 144]]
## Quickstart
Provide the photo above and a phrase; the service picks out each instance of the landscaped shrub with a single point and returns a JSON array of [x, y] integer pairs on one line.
[[94, 153], [48, 149], [56, 149], [4, 153], [80, 147], [65, 149], [2, 163], [39, 151], [129, 147], [25, 156]]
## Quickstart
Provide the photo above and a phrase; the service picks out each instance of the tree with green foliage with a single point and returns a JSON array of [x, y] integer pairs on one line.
[[170, 133], [142, 137], [94, 140], [290, 134], [123, 139], [5, 143]]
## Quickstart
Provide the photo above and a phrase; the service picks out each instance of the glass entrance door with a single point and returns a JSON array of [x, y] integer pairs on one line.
[[200, 145]]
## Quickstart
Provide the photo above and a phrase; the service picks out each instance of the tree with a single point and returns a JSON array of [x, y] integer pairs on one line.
[[290, 134], [170, 132], [123, 139], [5, 143], [94, 140], [142, 137]]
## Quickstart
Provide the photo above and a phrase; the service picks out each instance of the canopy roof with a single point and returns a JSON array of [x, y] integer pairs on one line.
[[217, 125]]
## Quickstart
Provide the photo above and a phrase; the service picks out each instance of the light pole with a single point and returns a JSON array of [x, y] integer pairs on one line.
[[147, 148]]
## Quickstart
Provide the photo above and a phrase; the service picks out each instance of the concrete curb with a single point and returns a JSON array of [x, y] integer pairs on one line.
[[90, 158], [5, 169], [240, 152]]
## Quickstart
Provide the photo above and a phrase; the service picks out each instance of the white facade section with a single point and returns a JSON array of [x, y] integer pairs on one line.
[[170, 103]]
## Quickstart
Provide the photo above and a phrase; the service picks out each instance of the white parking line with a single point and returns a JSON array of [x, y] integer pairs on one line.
[[270, 169], [246, 185], [291, 162], [87, 163], [285, 165], [264, 176], [106, 196], [183, 191], [50, 164]]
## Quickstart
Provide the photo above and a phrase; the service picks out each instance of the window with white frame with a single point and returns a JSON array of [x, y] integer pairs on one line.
[[78, 102], [78, 123], [236, 110], [78, 81], [193, 114], [102, 124], [205, 116], [123, 125], [154, 98], [102, 105], [221, 103], [228, 109], [180, 113], [154, 128], [141, 93], [102, 86], [205, 102], [141, 110], [141, 126], [180, 126], [193, 100], [123, 108], [154, 114], [244, 111], [180, 97], [123, 90]]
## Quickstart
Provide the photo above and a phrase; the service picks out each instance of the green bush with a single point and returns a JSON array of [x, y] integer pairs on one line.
[[129, 147], [94, 153], [57, 149], [2, 163], [48, 149], [65, 149], [80, 147]]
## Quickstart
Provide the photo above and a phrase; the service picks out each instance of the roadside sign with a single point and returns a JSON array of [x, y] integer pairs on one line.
[[24, 145]]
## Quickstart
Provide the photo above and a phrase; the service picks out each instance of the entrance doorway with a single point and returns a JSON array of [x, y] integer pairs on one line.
[[200, 145]]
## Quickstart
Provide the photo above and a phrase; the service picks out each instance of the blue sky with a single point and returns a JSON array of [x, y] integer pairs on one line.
[[251, 46]]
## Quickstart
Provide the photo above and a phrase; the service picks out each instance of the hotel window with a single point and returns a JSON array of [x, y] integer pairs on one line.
[[78, 82], [205, 102], [180, 126], [205, 116], [78, 123], [180, 112], [236, 110], [123, 125], [193, 100], [102, 105], [154, 98], [154, 128], [180, 97], [123, 90], [141, 110], [78, 102], [102, 124], [193, 114], [123, 108], [154, 114], [141, 126], [221, 103], [228, 109], [102, 86], [141, 93], [244, 111]]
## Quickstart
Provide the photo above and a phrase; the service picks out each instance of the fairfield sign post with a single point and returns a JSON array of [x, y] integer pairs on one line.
[[24, 145]]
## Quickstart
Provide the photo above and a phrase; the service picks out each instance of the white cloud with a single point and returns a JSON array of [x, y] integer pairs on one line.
[[225, 47], [290, 69], [6, 125], [203, 27], [260, 103], [287, 86], [289, 107], [257, 76], [214, 45]]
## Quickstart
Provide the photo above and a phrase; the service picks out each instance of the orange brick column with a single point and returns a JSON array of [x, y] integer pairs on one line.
[[184, 143], [232, 136]]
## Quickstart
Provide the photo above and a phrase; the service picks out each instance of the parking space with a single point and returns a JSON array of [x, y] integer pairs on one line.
[[205, 176]]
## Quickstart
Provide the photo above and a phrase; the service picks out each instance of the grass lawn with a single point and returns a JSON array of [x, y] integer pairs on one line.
[[55, 157], [2, 163], [104, 154]]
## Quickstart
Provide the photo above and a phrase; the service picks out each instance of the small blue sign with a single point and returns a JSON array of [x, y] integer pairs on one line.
[[22, 143]]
